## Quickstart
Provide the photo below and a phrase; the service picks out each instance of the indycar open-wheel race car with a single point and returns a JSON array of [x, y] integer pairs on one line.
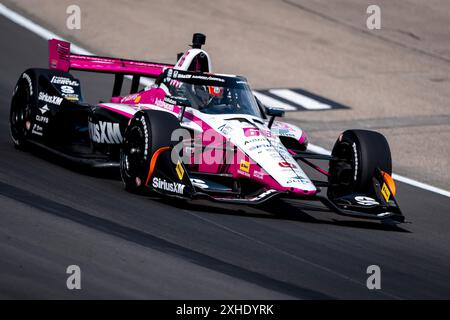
[[195, 134]]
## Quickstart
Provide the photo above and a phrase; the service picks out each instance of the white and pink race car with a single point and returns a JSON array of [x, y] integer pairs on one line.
[[194, 134]]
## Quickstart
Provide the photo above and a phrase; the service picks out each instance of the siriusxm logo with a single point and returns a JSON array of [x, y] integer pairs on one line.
[[50, 99], [105, 132], [168, 186]]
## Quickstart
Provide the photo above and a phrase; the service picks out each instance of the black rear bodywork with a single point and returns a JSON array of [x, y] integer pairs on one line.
[[62, 123]]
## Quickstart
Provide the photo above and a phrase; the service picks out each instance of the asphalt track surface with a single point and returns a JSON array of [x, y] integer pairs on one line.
[[129, 246]]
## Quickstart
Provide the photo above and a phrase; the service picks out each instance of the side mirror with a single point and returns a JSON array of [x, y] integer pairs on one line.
[[181, 114], [273, 113], [182, 102]]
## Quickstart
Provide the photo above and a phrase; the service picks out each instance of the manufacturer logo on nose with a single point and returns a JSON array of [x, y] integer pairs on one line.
[[285, 164]]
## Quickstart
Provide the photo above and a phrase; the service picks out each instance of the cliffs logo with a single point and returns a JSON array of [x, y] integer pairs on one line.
[[105, 132], [168, 186]]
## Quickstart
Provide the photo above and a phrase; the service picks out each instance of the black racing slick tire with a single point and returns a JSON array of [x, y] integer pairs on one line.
[[357, 155], [147, 132], [22, 102]]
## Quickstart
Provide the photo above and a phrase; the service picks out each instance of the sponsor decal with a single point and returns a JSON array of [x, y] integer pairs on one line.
[[253, 140], [296, 180], [169, 100], [264, 194], [182, 59], [67, 89], [37, 130], [285, 164], [225, 129], [356, 161], [385, 192], [286, 133], [138, 98], [244, 166], [175, 83], [69, 93], [162, 184], [144, 125], [161, 103], [54, 63], [208, 78], [254, 132], [244, 173], [129, 98], [180, 171], [261, 146], [366, 201], [137, 180], [283, 131], [42, 119], [275, 155], [177, 75], [44, 109], [72, 97], [64, 81], [283, 154], [50, 99], [251, 132], [383, 214], [267, 133], [258, 174], [199, 183], [30, 84], [105, 132]]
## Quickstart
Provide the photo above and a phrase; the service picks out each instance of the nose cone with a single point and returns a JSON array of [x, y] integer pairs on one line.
[[268, 152]]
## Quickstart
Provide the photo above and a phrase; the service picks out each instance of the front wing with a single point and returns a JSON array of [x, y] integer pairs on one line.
[[174, 180]]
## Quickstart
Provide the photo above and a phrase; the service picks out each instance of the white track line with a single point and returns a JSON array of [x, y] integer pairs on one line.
[[37, 29], [299, 99], [269, 101], [412, 182], [46, 34], [420, 185]]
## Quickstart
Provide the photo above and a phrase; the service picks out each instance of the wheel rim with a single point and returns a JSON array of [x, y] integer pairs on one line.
[[133, 156], [342, 170], [20, 114]]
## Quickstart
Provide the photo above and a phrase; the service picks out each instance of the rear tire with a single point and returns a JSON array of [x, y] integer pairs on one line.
[[359, 153], [147, 132], [20, 116]]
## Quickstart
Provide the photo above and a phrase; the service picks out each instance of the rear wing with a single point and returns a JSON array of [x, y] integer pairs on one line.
[[60, 58]]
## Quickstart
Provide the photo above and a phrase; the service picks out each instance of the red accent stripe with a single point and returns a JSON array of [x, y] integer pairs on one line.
[[153, 162]]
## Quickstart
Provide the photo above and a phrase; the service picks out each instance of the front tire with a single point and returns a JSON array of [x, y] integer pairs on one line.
[[147, 132], [358, 153], [20, 115]]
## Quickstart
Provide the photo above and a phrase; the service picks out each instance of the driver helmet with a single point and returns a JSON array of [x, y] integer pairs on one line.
[[216, 92], [203, 95]]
